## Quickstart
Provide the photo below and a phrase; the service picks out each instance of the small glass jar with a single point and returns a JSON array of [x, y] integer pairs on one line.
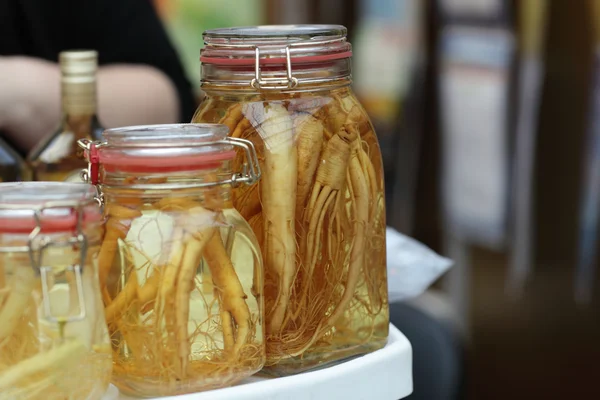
[[319, 209], [180, 269], [53, 338]]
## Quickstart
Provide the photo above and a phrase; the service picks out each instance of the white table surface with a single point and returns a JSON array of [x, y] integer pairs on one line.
[[385, 374]]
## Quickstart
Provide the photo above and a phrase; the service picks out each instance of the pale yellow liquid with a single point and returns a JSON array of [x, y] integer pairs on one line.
[[143, 352]]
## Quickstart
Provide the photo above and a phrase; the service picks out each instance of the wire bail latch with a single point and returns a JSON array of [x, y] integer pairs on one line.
[[258, 82]]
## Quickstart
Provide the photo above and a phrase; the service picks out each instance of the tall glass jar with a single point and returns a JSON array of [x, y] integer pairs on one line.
[[53, 338], [319, 209], [180, 269]]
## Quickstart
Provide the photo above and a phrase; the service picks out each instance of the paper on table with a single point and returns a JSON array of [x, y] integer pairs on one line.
[[412, 267]]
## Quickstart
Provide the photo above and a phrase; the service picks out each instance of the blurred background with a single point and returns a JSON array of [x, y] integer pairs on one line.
[[486, 111], [488, 116]]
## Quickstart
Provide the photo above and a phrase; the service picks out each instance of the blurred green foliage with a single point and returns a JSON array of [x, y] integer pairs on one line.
[[187, 19]]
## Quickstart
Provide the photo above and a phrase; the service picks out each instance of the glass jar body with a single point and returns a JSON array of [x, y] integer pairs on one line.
[[181, 278], [53, 345], [319, 214]]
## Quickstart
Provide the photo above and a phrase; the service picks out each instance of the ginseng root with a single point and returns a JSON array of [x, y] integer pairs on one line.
[[117, 227], [22, 284], [231, 296], [249, 202], [329, 181], [275, 127], [47, 362], [185, 283], [373, 276], [332, 115], [257, 224], [360, 197], [360, 192], [120, 302], [164, 308], [309, 140], [232, 117], [206, 242]]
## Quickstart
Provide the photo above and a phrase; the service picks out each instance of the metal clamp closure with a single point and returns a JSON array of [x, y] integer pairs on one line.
[[249, 175], [251, 172], [37, 244], [259, 82], [36, 251]]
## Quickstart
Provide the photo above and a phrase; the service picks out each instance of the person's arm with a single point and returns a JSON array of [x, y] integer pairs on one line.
[[140, 79], [29, 95], [136, 94], [127, 95], [132, 33]]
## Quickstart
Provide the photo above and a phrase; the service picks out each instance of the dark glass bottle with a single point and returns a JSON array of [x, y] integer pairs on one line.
[[12, 166]]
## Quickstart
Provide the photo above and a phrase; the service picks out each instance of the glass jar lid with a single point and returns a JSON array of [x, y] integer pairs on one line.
[[271, 48], [277, 32], [53, 207], [166, 148]]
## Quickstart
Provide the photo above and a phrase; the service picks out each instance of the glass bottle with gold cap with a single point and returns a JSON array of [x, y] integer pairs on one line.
[[57, 157]]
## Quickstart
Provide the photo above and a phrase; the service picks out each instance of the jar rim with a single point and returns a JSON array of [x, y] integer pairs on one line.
[[159, 135], [289, 33], [53, 207]]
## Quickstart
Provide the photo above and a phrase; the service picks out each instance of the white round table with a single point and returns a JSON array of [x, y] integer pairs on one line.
[[385, 374]]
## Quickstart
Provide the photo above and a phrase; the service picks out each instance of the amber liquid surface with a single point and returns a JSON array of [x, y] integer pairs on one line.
[[336, 303], [194, 333]]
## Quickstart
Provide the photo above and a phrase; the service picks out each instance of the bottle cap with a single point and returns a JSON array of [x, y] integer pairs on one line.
[[78, 70], [78, 62]]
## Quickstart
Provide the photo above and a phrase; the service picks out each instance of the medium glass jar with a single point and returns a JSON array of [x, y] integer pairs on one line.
[[319, 209], [180, 269], [53, 338]]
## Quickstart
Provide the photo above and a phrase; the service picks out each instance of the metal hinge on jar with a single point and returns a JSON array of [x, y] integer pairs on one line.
[[259, 82]]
